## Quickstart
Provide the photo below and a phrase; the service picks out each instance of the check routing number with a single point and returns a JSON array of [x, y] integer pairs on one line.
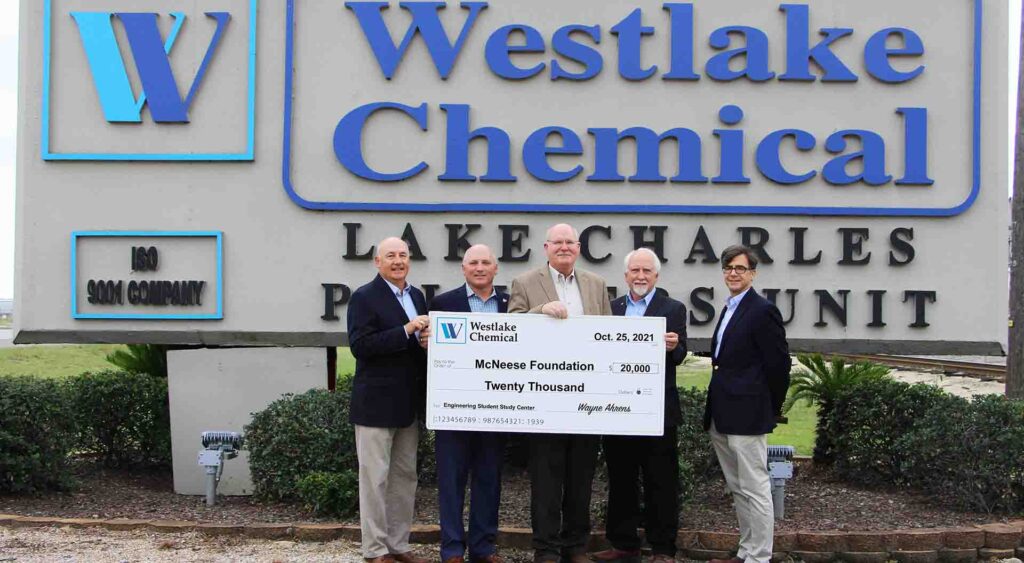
[[533, 373]]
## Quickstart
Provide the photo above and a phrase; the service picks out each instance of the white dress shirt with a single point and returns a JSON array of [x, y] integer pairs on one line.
[[568, 291]]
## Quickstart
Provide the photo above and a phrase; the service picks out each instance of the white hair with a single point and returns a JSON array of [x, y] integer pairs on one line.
[[575, 234], [643, 251]]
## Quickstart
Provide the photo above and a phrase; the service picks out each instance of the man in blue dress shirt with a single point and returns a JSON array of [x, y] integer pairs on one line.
[[472, 456], [749, 379], [385, 319]]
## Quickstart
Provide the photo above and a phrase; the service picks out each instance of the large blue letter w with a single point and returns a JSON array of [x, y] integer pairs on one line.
[[150, 52]]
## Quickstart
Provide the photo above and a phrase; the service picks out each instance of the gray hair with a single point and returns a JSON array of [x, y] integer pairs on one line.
[[642, 251]]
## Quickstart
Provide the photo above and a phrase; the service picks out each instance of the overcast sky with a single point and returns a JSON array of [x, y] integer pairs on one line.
[[8, 115]]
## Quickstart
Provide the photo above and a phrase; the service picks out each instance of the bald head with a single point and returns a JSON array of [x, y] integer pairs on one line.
[[392, 260], [479, 266]]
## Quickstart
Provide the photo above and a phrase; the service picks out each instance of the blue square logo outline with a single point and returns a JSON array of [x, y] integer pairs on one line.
[[247, 154], [647, 209], [445, 334]]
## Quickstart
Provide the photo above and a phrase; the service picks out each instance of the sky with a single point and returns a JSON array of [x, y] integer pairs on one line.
[[8, 128]]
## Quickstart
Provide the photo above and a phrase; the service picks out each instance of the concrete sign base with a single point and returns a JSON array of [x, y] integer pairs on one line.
[[218, 390]]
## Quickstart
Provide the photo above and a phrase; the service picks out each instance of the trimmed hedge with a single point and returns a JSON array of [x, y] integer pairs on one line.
[[298, 435], [122, 417], [697, 461], [36, 434], [965, 452], [330, 494]]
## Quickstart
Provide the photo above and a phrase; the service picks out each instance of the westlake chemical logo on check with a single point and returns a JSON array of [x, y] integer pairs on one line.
[[451, 330]]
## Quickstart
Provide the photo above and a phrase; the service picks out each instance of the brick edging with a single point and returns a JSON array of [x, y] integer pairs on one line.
[[1002, 540]]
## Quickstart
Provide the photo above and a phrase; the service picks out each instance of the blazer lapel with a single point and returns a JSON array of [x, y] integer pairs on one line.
[[390, 302], [547, 285], [464, 299], [741, 310], [502, 302], [654, 307]]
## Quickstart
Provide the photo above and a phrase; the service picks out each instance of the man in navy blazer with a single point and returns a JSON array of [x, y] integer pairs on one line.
[[749, 380], [386, 317], [655, 458], [475, 455]]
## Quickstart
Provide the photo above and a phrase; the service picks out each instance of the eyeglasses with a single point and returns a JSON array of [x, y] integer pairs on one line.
[[738, 269], [563, 242]]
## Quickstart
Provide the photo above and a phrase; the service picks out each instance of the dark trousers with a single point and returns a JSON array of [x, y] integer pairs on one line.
[[474, 457], [655, 461], [561, 472]]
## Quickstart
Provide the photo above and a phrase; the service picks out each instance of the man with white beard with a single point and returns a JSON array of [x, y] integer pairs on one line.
[[656, 458]]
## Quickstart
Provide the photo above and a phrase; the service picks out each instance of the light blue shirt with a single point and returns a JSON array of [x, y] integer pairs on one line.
[[404, 299], [638, 308], [730, 308], [478, 305]]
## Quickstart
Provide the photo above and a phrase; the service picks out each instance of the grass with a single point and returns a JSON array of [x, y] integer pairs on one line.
[[799, 432], [55, 361]]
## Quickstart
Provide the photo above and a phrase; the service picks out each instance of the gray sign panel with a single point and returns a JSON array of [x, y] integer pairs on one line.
[[861, 147]]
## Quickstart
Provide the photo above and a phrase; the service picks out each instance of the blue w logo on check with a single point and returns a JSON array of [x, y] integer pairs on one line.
[[151, 55], [451, 330]]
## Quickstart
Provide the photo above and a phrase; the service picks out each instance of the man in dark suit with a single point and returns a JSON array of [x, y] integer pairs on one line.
[[749, 380], [655, 458], [385, 319], [462, 454]]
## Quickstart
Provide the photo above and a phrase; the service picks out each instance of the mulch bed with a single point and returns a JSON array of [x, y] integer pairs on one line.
[[815, 500]]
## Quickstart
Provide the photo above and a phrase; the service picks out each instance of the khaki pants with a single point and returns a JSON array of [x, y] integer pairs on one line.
[[387, 487], [744, 461]]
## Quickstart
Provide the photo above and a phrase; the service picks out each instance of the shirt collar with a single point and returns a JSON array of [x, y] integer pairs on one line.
[[471, 293], [646, 299], [555, 274], [734, 301], [394, 288]]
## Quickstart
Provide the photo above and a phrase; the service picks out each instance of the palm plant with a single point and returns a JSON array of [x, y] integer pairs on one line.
[[819, 383], [141, 358]]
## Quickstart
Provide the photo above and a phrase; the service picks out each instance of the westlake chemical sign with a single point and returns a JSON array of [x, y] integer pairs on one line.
[[860, 147]]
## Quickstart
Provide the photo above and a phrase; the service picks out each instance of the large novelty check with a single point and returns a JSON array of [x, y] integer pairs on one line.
[[533, 373]]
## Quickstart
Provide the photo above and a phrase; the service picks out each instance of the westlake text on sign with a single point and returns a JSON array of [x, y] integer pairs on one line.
[[532, 373]]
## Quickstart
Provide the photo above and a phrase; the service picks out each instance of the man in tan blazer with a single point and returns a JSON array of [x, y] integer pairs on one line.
[[561, 465]]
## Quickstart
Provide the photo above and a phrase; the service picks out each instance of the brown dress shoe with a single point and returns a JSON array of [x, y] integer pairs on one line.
[[408, 557], [616, 556], [455, 559]]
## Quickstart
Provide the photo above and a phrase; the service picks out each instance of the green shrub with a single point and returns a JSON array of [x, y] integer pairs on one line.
[[36, 433], [697, 461], [970, 453], [868, 422], [297, 435], [330, 494], [967, 453], [818, 383], [123, 417]]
